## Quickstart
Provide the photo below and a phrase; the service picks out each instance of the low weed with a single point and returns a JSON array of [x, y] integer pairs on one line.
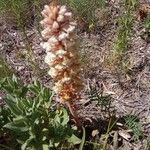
[[101, 141], [146, 33], [32, 117], [21, 13], [132, 123], [24, 14], [4, 69], [97, 95], [147, 23], [85, 11], [16, 11], [124, 32]]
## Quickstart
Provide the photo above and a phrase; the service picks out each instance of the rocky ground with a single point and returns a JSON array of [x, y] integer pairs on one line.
[[129, 93]]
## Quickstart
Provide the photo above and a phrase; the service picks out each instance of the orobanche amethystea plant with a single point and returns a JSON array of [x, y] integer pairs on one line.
[[62, 55]]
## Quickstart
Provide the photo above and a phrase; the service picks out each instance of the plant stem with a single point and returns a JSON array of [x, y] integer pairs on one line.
[[74, 114]]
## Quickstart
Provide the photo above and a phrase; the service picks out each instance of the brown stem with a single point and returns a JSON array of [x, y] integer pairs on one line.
[[74, 114]]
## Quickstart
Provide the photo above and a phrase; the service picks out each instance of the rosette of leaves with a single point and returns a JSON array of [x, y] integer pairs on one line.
[[35, 123]]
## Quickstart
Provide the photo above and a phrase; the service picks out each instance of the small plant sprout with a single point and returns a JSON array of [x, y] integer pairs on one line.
[[62, 55]]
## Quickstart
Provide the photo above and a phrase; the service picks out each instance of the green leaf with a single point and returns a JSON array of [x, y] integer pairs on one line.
[[62, 117], [12, 83], [7, 88], [2, 82], [20, 120], [44, 133], [37, 84], [36, 87], [65, 117], [22, 92], [47, 94], [10, 100], [26, 103], [15, 127], [14, 79], [74, 140], [20, 105], [27, 142], [45, 147]]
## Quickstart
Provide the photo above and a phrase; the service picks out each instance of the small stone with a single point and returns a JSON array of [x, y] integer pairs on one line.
[[124, 134], [20, 68], [95, 132]]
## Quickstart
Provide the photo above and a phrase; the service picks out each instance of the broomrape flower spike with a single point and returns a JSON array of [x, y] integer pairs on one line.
[[61, 48]]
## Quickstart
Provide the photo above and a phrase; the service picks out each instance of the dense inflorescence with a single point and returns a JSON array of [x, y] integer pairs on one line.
[[61, 48]]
